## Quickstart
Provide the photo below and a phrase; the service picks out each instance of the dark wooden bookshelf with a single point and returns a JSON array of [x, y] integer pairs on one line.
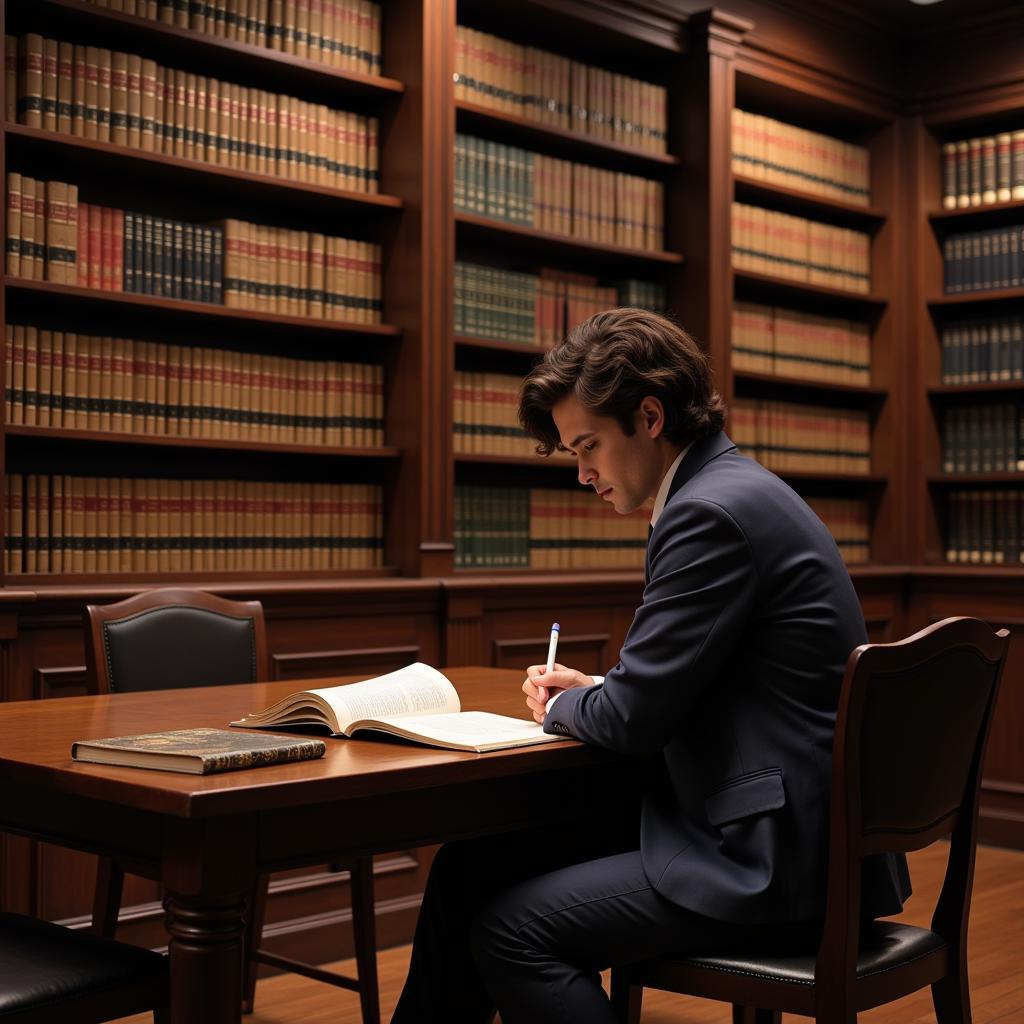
[[991, 387], [806, 204], [577, 146], [106, 158], [548, 245], [115, 29], [50, 291], [749, 381], [188, 579], [523, 348], [528, 461], [994, 295], [967, 479], [785, 291], [966, 218], [840, 479], [110, 437]]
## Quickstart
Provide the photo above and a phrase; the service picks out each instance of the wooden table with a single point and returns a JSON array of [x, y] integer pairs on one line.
[[207, 837]]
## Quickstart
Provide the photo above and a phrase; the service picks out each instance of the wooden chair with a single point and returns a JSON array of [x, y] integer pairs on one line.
[[170, 638], [910, 740], [52, 975]]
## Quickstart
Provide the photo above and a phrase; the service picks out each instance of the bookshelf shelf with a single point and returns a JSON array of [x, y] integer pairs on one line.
[[995, 295], [755, 285], [987, 215], [841, 479], [994, 387], [960, 479], [249, 186], [475, 119], [464, 341], [44, 291], [529, 461], [790, 200], [36, 580], [749, 381], [486, 229], [114, 29], [109, 437]]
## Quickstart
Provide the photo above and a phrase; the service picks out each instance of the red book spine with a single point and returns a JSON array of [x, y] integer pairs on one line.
[[117, 246], [107, 250], [95, 247], [82, 270]]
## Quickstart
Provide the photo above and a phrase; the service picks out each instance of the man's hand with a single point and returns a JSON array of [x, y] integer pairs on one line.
[[541, 686]]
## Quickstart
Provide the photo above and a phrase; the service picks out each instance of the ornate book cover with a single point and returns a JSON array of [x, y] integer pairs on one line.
[[197, 751]]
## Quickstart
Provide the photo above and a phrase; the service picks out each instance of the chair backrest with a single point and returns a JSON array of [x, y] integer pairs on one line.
[[169, 638], [910, 739]]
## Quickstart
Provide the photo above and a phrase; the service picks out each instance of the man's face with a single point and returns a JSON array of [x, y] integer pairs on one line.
[[625, 471]]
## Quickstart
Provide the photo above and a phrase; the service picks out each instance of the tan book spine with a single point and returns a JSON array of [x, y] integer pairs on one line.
[[55, 193], [33, 536], [31, 351], [14, 336], [30, 80], [65, 86], [104, 94], [119, 98], [315, 43], [50, 76], [44, 379], [11, 78], [13, 241], [14, 550]]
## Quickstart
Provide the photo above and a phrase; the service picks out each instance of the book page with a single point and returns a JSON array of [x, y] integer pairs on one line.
[[466, 729], [416, 689]]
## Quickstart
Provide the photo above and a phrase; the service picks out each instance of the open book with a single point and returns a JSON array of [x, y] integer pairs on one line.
[[417, 703]]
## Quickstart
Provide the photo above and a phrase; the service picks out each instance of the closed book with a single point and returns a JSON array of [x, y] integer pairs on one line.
[[197, 751]]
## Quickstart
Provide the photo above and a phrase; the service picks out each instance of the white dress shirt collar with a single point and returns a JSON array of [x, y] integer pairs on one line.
[[666, 484]]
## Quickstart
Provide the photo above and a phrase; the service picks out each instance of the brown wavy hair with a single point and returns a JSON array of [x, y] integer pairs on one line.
[[614, 360]]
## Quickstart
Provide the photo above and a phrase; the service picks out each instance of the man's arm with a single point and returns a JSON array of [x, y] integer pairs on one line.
[[703, 580]]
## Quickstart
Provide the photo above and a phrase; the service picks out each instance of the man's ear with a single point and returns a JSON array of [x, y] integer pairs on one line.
[[652, 416]]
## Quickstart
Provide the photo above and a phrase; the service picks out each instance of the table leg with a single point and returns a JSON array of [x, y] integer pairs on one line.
[[206, 958]]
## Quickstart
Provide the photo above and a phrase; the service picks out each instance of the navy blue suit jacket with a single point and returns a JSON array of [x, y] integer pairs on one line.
[[729, 680]]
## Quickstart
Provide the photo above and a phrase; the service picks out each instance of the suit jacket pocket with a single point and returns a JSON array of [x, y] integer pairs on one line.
[[749, 794]]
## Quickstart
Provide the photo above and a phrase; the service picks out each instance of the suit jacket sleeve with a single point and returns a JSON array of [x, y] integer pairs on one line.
[[694, 612]]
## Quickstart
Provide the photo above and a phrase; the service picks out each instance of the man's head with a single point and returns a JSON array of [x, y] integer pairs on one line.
[[625, 392]]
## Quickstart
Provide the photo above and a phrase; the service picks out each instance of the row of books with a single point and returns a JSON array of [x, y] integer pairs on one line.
[[544, 87], [541, 528], [132, 101], [75, 524], [768, 242], [509, 305], [786, 343], [565, 198], [300, 273], [802, 438], [985, 169], [244, 266], [979, 351], [984, 527], [783, 154], [52, 236], [981, 260], [486, 407], [82, 382], [849, 522], [339, 33], [986, 438]]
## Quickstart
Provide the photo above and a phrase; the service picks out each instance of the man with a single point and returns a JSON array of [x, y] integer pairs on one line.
[[728, 682]]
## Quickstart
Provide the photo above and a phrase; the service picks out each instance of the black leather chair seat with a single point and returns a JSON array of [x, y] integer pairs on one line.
[[42, 964], [884, 945]]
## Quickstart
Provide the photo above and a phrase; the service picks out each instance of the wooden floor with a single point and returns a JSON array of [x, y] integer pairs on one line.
[[996, 952]]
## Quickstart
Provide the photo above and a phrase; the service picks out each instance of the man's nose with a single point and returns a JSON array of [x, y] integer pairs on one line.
[[586, 474]]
